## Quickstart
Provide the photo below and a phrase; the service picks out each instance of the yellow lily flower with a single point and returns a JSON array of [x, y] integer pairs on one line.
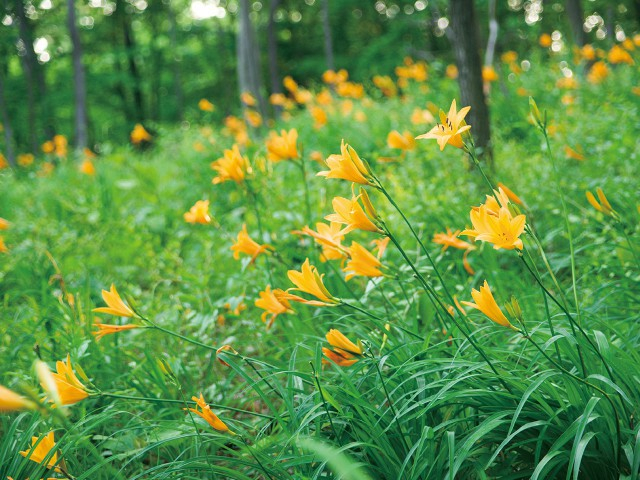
[[206, 413], [115, 304], [283, 146], [403, 141], [450, 130], [39, 452], [205, 105], [10, 401], [451, 239], [273, 302], [199, 213], [246, 245], [509, 193], [106, 329], [329, 237], [337, 340], [3, 246], [4, 224], [362, 262], [70, 389], [87, 167], [340, 358], [351, 213], [308, 280], [232, 166], [347, 166], [487, 305], [503, 230], [140, 134], [603, 206]]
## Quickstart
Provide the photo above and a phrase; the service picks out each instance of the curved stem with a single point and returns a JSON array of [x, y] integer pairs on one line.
[[391, 406]]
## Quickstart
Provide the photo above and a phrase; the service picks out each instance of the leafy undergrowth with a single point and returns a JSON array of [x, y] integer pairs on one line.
[[434, 390]]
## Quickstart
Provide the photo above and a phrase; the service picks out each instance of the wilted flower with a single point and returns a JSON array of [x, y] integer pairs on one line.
[[487, 305], [340, 358], [10, 401], [107, 329], [362, 262], [206, 413], [403, 141], [283, 146], [139, 135], [225, 348], [115, 304], [205, 105], [244, 244], [274, 303], [347, 166], [40, 449], [232, 166], [308, 280], [199, 213], [450, 130]]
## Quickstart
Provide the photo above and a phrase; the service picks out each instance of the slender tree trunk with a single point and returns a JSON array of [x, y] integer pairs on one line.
[[493, 34], [177, 76], [6, 121], [328, 41], [466, 47], [247, 53], [576, 21], [130, 47], [29, 66], [79, 83], [636, 7], [273, 52]]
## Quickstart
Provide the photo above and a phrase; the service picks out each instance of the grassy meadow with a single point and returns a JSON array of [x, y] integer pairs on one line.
[[418, 384]]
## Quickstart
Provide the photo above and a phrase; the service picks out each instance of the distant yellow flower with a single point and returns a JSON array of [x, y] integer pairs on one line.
[[274, 303], [3, 162], [509, 56], [567, 82], [87, 167], [451, 239], [380, 245], [329, 237], [278, 99], [140, 134], [4, 224], [283, 146], [3, 246], [403, 141], [340, 358], [348, 166], [199, 213], [248, 99], [10, 401], [603, 206], [420, 117], [617, 54], [337, 340], [69, 389], [502, 188], [489, 74], [205, 105], [106, 329], [115, 304], [588, 52], [362, 263], [244, 244], [545, 40], [317, 156], [487, 305], [48, 147], [303, 96], [502, 230], [25, 159], [575, 154], [60, 142], [253, 118], [319, 117], [40, 450], [350, 89], [290, 84], [324, 97], [308, 280], [46, 169], [451, 71], [386, 85], [599, 71], [206, 413], [450, 130], [351, 213], [232, 166]]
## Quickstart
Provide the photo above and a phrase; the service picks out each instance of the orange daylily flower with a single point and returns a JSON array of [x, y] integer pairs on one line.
[[140, 134], [347, 166], [308, 280], [603, 206], [380, 244], [40, 450], [248, 99], [283, 146], [573, 153], [3, 246], [403, 141], [362, 262], [244, 244], [199, 213], [232, 166], [205, 105], [545, 40], [451, 239], [329, 237], [115, 304], [70, 389], [487, 305], [206, 413], [107, 329], [503, 230], [87, 167], [10, 401], [489, 74], [274, 303], [337, 340], [450, 130], [340, 358], [510, 194], [4, 224], [351, 213]]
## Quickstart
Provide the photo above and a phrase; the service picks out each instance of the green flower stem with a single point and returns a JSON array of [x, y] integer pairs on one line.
[[303, 172], [472, 153], [631, 246], [379, 321], [316, 379], [255, 457], [181, 402], [182, 337], [256, 210]]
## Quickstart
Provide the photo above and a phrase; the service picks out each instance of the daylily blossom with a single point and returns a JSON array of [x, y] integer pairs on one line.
[[487, 305], [503, 230], [380, 244], [205, 105], [4, 224], [450, 130], [232, 166], [10, 401], [351, 213], [347, 166], [329, 237], [248, 99], [362, 262], [403, 141], [337, 340], [199, 213], [340, 358], [206, 413], [40, 450], [244, 244], [274, 303], [308, 280], [451, 239], [115, 304], [140, 134], [603, 206], [3, 246], [283, 146], [87, 167], [502, 188], [70, 389], [107, 329]]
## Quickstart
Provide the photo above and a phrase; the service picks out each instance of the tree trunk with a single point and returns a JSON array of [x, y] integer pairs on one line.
[[130, 47], [248, 60], [177, 76], [29, 65], [466, 47], [576, 20], [8, 132], [79, 83], [328, 41], [273, 52]]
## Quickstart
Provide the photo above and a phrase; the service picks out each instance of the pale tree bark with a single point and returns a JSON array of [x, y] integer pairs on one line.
[[6, 122], [177, 68], [466, 47], [328, 40], [79, 83], [493, 34], [272, 47], [576, 21], [249, 72]]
